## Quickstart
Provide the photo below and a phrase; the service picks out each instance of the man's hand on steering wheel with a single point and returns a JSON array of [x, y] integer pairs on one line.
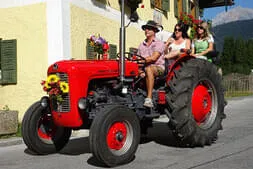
[[133, 57]]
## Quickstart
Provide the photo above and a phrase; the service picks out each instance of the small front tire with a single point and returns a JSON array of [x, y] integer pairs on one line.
[[115, 135], [39, 132]]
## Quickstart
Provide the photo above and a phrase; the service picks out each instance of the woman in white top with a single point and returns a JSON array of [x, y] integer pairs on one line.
[[178, 41]]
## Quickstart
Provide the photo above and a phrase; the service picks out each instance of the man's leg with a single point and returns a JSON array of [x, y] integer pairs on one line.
[[151, 73], [150, 78]]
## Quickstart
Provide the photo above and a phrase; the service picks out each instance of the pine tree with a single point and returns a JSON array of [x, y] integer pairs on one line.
[[227, 55]]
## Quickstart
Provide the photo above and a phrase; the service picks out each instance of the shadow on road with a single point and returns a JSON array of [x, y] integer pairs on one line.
[[77, 146], [159, 133]]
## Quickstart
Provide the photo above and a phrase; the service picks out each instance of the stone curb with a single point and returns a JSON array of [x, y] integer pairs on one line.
[[11, 141]]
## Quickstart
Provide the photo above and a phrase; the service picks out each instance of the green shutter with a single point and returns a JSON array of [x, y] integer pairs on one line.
[[0, 58], [189, 7], [185, 6], [166, 5], [89, 51], [152, 2], [197, 12], [133, 50], [175, 8], [9, 61], [113, 51]]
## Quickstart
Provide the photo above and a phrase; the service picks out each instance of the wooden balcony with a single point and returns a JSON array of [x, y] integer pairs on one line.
[[215, 3]]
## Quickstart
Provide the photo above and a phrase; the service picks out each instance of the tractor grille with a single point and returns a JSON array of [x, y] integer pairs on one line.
[[65, 105]]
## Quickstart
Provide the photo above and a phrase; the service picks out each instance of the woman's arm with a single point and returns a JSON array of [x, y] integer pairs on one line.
[[209, 49], [172, 54], [188, 44]]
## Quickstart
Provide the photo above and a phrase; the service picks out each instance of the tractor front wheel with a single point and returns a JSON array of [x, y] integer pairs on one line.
[[115, 135], [39, 132]]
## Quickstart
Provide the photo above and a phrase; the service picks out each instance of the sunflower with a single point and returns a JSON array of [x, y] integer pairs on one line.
[[52, 79], [64, 87]]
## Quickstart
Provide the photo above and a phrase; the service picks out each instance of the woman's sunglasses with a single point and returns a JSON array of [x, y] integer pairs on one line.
[[200, 27], [179, 30]]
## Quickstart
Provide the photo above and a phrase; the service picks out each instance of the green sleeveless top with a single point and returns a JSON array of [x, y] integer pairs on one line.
[[200, 45]]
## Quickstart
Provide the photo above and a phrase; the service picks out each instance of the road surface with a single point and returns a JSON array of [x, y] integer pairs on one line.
[[233, 149]]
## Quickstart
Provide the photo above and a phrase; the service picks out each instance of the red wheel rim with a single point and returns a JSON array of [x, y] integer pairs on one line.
[[116, 135], [201, 103], [45, 130]]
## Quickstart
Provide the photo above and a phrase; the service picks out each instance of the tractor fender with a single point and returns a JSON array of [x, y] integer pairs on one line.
[[176, 65]]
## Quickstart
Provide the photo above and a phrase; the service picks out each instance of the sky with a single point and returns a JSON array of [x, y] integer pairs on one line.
[[210, 13]]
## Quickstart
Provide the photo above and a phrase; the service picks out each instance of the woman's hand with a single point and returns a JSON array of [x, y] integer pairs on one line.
[[194, 55], [169, 41]]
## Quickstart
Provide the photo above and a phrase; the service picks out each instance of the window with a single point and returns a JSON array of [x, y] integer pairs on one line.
[[8, 62], [91, 54], [113, 51], [163, 5], [133, 50], [180, 6]]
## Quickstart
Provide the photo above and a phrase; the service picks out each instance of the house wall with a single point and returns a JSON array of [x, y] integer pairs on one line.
[[85, 23], [103, 17], [27, 24], [52, 30]]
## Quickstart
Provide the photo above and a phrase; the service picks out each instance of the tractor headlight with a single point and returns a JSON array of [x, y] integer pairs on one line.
[[82, 103], [44, 101]]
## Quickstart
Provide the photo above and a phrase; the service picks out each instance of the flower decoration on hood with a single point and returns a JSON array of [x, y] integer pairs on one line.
[[99, 44], [55, 88]]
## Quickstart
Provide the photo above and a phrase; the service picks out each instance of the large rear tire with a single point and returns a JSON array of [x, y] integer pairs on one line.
[[196, 100], [115, 135], [39, 132]]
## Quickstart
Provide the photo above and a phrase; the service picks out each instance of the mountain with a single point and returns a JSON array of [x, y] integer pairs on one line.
[[235, 14], [235, 29], [237, 22]]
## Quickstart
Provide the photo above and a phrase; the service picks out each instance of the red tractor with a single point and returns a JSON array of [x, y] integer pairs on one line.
[[106, 97]]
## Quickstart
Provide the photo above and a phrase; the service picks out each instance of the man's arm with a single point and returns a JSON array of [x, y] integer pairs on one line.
[[153, 58]]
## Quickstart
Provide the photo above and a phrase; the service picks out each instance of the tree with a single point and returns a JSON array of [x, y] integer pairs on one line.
[[227, 56], [237, 56]]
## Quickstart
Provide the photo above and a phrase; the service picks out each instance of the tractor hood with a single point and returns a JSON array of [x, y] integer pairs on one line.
[[93, 68]]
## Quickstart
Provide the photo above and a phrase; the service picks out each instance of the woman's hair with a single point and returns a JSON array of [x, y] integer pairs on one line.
[[205, 26], [183, 28]]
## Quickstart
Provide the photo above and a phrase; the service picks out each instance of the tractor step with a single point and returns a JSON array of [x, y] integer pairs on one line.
[[152, 115]]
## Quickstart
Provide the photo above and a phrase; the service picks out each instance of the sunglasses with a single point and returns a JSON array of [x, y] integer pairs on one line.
[[200, 27], [179, 30]]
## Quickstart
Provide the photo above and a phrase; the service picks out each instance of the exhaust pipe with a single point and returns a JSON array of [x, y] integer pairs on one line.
[[122, 43]]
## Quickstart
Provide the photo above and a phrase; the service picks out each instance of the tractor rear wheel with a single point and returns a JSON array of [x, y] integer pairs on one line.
[[115, 135], [39, 132], [196, 100]]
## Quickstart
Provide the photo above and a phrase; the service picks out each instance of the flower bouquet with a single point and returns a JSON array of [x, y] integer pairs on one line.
[[55, 88], [191, 22], [100, 45]]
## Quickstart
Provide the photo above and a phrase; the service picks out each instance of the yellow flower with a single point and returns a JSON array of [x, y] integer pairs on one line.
[[47, 85], [64, 87], [52, 79], [92, 43]]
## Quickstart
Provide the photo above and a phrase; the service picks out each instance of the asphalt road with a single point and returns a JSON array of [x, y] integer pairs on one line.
[[233, 149]]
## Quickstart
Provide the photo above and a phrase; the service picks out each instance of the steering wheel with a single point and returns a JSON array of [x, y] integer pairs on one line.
[[133, 58]]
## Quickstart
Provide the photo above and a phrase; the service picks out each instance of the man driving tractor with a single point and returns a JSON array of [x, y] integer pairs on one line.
[[152, 50]]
